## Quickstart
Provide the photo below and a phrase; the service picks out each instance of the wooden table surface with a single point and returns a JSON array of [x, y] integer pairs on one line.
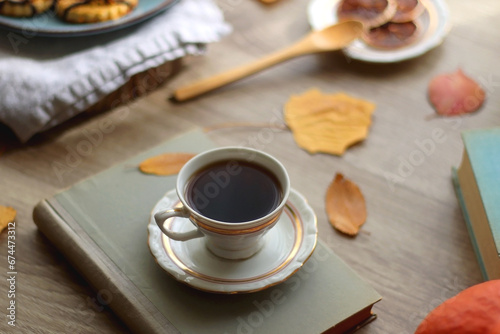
[[414, 248]]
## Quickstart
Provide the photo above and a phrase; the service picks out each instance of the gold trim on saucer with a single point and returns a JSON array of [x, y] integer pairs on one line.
[[233, 232], [298, 226]]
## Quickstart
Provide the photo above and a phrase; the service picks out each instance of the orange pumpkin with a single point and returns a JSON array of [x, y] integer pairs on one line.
[[475, 310]]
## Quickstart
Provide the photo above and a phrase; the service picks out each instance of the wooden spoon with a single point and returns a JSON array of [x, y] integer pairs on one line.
[[331, 38]]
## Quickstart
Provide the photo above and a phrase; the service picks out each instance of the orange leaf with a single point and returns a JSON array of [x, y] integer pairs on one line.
[[345, 205], [327, 123], [455, 93], [7, 215], [165, 164], [267, 2]]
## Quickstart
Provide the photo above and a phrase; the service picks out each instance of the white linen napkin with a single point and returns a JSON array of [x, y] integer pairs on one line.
[[45, 81]]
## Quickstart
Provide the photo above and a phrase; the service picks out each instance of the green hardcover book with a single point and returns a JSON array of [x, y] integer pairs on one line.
[[101, 226], [477, 185]]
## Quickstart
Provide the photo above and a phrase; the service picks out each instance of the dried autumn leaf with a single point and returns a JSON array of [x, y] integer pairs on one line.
[[7, 215], [165, 164], [345, 205], [327, 123], [267, 2], [455, 93]]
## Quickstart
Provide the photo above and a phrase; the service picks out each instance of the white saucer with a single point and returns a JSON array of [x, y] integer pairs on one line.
[[288, 245], [435, 23]]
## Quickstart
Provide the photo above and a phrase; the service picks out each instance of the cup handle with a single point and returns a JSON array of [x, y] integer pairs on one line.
[[161, 216]]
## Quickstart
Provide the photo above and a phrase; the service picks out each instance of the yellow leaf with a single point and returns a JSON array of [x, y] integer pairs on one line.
[[7, 215], [328, 123], [345, 205], [165, 164]]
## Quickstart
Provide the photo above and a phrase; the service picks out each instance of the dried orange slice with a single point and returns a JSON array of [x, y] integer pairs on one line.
[[407, 10], [371, 12], [392, 35]]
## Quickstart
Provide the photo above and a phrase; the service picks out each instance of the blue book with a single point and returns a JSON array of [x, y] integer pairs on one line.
[[477, 185]]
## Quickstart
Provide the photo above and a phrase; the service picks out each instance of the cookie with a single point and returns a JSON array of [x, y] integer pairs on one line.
[[91, 11], [24, 8]]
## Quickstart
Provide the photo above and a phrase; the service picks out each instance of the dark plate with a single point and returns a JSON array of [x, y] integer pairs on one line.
[[48, 24]]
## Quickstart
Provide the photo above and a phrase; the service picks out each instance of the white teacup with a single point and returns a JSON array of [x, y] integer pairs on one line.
[[212, 184]]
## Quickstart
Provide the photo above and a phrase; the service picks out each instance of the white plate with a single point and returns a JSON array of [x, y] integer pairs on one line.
[[435, 23], [288, 245]]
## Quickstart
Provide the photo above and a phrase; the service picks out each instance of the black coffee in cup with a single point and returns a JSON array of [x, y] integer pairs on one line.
[[234, 191]]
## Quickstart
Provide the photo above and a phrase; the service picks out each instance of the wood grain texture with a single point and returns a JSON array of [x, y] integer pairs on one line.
[[414, 248]]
